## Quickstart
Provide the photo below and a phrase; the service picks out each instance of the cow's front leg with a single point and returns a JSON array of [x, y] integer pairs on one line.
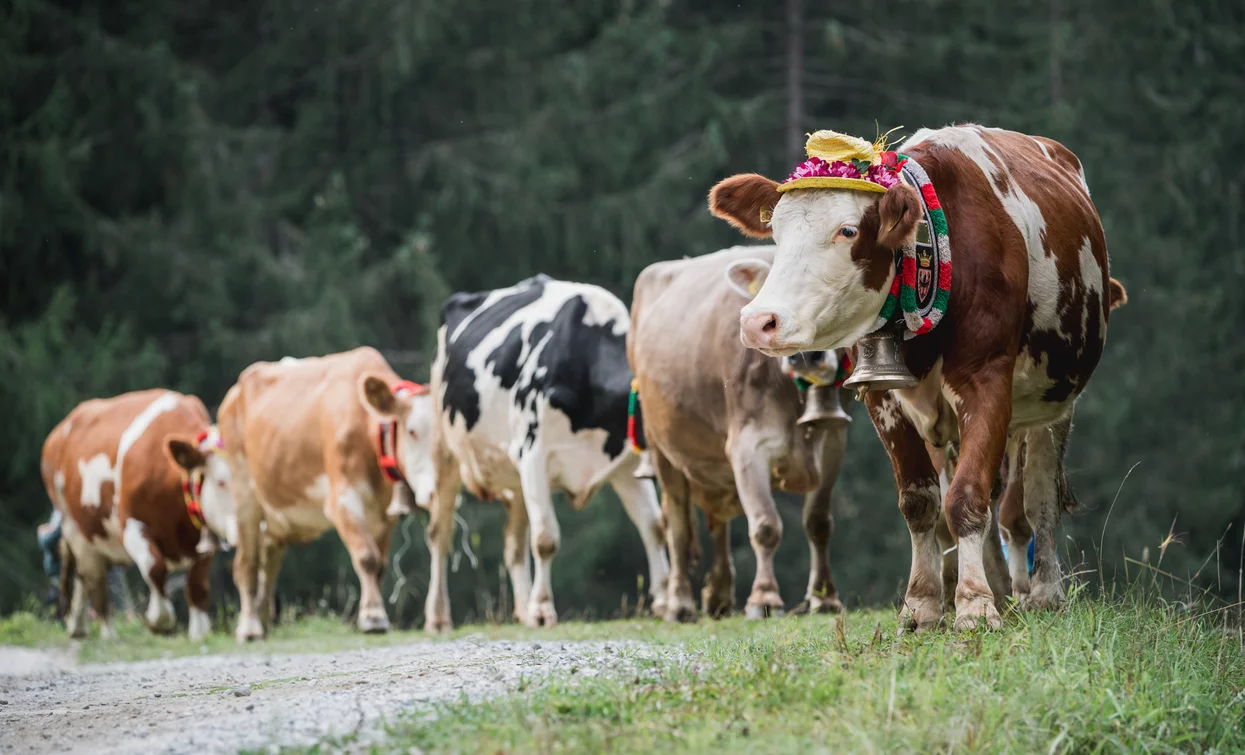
[[985, 400], [150, 561], [546, 536], [518, 556], [1044, 448], [440, 536], [920, 502], [751, 465], [718, 595], [271, 554], [349, 512], [639, 499], [197, 593], [822, 596], [677, 513], [246, 564]]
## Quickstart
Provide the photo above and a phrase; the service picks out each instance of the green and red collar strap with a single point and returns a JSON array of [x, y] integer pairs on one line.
[[921, 288], [192, 484]]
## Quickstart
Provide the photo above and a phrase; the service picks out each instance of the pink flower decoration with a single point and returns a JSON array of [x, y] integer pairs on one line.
[[815, 167]]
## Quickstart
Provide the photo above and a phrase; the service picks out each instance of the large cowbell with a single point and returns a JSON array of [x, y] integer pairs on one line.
[[879, 365], [821, 401]]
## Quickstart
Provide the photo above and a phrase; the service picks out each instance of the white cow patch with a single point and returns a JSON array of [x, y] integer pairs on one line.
[[318, 490], [137, 545], [351, 502], [200, 623], [65, 429], [94, 472]]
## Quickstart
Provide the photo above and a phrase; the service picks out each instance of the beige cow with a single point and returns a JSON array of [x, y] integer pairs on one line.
[[305, 457]]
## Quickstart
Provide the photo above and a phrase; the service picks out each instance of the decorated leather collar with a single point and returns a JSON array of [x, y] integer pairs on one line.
[[387, 434]]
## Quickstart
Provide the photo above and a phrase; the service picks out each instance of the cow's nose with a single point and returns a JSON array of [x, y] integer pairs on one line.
[[759, 329]]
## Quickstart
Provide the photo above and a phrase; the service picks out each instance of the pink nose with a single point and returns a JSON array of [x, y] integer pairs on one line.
[[759, 330]]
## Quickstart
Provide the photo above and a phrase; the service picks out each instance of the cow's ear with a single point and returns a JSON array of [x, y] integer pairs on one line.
[[747, 202], [899, 211], [377, 396], [747, 276], [1117, 296], [185, 453]]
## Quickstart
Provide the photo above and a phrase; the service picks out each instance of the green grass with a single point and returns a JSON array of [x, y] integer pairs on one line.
[[1127, 677], [1132, 675]]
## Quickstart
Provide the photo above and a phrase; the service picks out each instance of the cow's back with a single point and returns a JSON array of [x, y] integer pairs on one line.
[[1028, 197], [293, 420], [541, 359], [105, 464], [697, 381]]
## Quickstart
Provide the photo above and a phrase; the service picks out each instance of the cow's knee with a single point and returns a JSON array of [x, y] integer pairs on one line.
[[919, 504], [968, 510], [546, 545], [767, 534]]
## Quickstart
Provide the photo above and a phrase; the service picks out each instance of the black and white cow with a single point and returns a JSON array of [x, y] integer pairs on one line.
[[531, 385]]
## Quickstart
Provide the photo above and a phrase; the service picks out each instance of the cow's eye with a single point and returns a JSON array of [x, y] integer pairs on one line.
[[412, 433], [220, 483], [848, 232]]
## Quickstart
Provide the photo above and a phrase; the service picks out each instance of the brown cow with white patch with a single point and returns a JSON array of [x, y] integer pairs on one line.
[[721, 426], [1023, 332], [109, 468], [306, 457]]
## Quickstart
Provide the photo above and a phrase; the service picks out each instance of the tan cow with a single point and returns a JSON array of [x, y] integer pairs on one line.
[[721, 425], [306, 458], [109, 469]]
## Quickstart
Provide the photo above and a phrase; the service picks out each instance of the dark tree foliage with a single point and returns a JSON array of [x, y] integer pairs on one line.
[[186, 188]]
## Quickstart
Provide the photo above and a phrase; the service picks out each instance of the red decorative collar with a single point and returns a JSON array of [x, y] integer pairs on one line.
[[387, 433]]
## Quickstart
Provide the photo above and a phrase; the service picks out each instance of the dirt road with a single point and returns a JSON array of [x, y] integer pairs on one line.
[[222, 703]]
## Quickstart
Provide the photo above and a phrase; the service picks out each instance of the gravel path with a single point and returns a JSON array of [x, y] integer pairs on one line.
[[222, 703]]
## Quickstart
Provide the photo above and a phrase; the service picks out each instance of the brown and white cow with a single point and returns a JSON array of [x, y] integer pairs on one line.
[[1023, 333], [109, 468], [304, 452], [721, 426]]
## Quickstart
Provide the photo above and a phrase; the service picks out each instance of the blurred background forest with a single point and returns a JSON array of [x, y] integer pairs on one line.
[[188, 187]]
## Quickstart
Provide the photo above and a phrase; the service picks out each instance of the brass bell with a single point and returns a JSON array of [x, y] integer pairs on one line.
[[644, 470], [879, 365], [821, 404]]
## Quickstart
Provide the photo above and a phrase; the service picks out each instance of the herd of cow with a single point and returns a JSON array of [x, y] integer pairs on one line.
[[539, 388]]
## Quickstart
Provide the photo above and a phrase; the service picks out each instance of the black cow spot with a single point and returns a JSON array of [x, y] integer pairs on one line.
[[581, 370]]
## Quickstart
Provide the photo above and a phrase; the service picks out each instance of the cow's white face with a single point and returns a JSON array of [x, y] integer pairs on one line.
[[207, 463], [834, 262], [415, 457], [414, 415]]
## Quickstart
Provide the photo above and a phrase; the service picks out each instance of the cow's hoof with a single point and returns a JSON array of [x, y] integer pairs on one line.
[[76, 631], [107, 631], [756, 612], [248, 631], [718, 605], [1043, 596], [200, 624], [827, 604], [658, 607], [969, 614], [681, 613], [438, 625], [542, 615], [920, 614], [373, 622], [160, 616]]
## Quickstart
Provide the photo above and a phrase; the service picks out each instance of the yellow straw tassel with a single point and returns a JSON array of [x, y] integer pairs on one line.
[[832, 146]]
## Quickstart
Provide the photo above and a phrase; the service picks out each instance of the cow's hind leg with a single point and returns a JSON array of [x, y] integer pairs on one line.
[[546, 536], [639, 499], [1044, 447], [197, 592], [518, 556], [348, 510], [920, 502], [150, 561], [752, 480], [1012, 521], [718, 595], [822, 596], [676, 511]]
